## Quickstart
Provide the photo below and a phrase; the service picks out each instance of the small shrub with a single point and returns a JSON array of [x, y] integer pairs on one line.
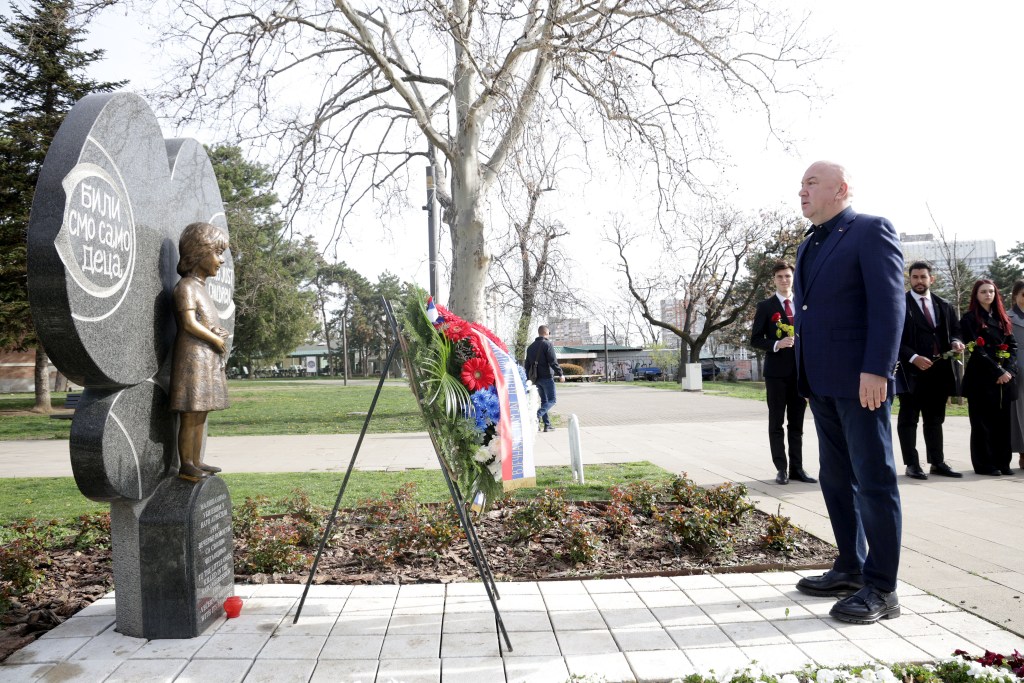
[[581, 544], [248, 517], [685, 491], [19, 574], [442, 527], [272, 548], [729, 499], [572, 369], [309, 517], [93, 531], [779, 534], [617, 516], [641, 497], [697, 529], [538, 515], [396, 525]]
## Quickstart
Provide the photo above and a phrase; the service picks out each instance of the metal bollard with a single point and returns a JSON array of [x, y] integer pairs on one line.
[[575, 451]]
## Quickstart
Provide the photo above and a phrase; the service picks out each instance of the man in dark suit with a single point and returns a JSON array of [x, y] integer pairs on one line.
[[780, 376], [850, 305], [924, 379]]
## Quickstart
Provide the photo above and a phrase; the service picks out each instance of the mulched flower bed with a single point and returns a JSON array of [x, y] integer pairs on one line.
[[373, 553], [647, 551]]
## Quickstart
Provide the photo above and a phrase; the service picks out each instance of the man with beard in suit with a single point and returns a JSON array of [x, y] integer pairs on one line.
[[925, 379], [773, 315]]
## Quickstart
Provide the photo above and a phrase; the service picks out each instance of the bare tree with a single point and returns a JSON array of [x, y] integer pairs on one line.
[[956, 278], [387, 78], [530, 270], [716, 261]]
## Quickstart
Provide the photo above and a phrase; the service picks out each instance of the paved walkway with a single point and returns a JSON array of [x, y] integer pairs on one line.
[[962, 575]]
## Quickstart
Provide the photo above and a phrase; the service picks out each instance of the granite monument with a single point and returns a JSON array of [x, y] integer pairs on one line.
[[112, 201]]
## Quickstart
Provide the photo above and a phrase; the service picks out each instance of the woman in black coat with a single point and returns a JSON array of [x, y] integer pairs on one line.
[[989, 379]]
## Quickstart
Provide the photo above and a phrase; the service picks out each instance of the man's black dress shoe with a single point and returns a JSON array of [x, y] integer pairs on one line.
[[1007, 471], [548, 428], [781, 477], [915, 472], [800, 475], [831, 584], [944, 470], [989, 473], [867, 606]]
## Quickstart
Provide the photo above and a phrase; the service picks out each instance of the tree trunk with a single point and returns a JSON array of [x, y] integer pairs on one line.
[[523, 328], [42, 381]]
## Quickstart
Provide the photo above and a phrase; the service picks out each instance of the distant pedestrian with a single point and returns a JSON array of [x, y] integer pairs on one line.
[[989, 379], [542, 364], [850, 305], [1017, 414], [925, 379], [772, 332]]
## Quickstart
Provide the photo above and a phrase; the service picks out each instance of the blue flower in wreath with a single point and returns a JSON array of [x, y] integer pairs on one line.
[[486, 407]]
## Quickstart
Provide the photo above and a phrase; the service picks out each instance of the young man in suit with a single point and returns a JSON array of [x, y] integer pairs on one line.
[[924, 379], [780, 377], [850, 305]]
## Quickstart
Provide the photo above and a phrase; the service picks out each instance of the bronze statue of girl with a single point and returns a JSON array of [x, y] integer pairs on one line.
[[198, 378]]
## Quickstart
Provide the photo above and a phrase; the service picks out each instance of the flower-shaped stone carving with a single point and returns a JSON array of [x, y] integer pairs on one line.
[[112, 199]]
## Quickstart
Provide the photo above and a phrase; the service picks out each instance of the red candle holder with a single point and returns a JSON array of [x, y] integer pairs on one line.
[[233, 606]]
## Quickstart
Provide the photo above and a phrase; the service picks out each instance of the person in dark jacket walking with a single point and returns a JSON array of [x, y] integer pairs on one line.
[[542, 364]]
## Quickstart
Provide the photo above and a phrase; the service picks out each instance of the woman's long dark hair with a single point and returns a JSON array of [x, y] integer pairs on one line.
[[997, 312]]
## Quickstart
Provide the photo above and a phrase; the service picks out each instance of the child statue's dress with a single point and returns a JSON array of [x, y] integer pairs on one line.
[[199, 380]]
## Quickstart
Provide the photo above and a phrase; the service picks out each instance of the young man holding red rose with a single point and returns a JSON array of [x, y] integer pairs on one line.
[[542, 354], [772, 332], [925, 379]]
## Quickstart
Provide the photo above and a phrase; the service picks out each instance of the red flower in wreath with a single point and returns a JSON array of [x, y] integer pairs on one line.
[[456, 329], [477, 374], [776, 317], [474, 344], [980, 341], [1003, 347]]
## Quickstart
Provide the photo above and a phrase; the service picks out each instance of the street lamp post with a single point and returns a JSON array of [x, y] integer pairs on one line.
[[431, 221]]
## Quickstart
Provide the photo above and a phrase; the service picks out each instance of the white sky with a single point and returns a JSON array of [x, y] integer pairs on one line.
[[923, 111]]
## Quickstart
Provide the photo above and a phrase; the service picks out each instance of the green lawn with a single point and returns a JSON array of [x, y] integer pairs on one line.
[[755, 390], [258, 407], [47, 498]]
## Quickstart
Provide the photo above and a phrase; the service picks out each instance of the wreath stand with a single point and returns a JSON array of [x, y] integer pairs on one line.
[[479, 559]]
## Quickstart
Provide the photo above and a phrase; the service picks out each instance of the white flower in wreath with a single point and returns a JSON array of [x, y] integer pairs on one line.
[[483, 454]]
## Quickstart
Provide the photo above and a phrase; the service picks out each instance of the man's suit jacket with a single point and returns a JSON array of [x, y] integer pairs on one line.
[[781, 363], [920, 338], [850, 305]]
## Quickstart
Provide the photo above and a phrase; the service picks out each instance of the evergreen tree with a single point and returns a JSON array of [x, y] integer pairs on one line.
[[42, 75], [1004, 271], [273, 314]]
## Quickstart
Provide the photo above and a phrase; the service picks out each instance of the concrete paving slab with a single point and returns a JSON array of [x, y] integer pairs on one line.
[[961, 583], [613, 667], [651, 665], [280, 671], [147, 671], [549, 669]]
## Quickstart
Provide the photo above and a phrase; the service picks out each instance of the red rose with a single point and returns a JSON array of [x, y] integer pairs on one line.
[[1004, 347], [776, 317], [980, 341], [477, 374]]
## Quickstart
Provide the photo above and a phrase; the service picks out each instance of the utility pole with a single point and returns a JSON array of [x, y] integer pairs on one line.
[[605, 353], [431, 221]]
